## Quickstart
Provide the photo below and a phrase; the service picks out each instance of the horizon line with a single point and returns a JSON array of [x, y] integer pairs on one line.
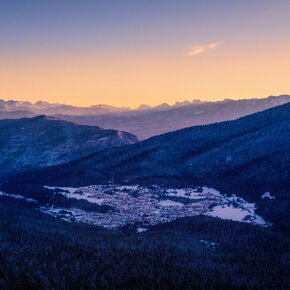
[[170, 104]]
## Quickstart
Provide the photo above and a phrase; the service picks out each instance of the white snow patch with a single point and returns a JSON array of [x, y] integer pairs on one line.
[[268, 195], [17, 196], [70, 189], [228, 212], [194, 193], [169, 202], [239, 214], [82, 193], [141, 230], [209, 244], [103, 139]]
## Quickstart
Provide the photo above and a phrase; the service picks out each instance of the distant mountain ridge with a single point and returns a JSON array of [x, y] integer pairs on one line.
[[42, 107], [46, 108], [147, 122], [44, 141]]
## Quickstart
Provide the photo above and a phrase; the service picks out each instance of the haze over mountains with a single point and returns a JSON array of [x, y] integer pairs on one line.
[[45, 108], [145, 121], [156, 121], [44, 141]]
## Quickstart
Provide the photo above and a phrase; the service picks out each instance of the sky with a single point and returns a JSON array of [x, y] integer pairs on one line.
[[127, 53]]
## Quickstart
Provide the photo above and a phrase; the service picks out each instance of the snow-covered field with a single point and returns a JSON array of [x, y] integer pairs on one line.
[[17, 196], [152, 205], [145, 206]]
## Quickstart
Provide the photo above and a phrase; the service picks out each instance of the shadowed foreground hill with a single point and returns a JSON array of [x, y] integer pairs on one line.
[[247, 157], [40, 252], [43, 141]]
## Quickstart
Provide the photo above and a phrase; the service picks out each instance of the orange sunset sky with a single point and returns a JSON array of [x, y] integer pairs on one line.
[[91, 52]]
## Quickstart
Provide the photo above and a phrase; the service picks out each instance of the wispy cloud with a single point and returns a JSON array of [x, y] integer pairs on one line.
[[199, 49]]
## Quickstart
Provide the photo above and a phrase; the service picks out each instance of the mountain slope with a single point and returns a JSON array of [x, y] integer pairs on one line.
[[159, 120], [247, 157], [252, 149], [42, 141]]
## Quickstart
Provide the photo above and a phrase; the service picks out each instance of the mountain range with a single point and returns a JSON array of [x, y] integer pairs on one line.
[[145, 121], [45, 141], [44, 108], [152, 122]]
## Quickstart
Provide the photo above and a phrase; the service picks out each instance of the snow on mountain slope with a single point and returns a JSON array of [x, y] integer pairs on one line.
[[45, 141]]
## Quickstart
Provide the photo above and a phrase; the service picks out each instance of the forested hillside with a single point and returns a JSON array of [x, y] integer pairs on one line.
[[41, 252], [44, 141], [243, 152]]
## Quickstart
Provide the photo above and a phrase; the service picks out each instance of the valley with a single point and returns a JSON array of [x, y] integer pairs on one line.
[[142, 207], [144, 145], [248, 157]]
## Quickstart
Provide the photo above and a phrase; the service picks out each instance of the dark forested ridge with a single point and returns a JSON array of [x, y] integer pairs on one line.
[[44, 141], [41, 252]]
